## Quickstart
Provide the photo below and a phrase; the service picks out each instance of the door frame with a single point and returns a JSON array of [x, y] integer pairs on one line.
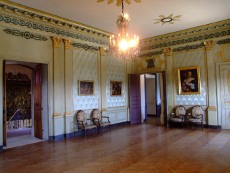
[[164, 110], [44, 118], [218, 85]]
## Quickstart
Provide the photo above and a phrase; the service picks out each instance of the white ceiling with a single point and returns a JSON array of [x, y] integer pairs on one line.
[[143, 15]]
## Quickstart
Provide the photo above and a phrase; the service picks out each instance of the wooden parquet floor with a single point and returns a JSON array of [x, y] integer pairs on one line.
[[141, 148]]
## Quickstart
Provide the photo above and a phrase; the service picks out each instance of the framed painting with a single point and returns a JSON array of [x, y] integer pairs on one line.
[[189, 80], [85, 87], [116, 88]]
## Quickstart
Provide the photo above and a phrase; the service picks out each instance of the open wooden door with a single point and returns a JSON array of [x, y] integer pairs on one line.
[[4, 106], [135, 98], [37, 85]]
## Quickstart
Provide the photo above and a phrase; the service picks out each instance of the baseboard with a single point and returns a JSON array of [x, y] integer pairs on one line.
[[57, 138], [80, 133], [69, 135], [213, 126], [1, 148], [120, 124]]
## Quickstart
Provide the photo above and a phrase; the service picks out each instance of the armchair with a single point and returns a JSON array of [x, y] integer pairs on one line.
[[196, 117], [177, 116], [83, 123], [100, 121]]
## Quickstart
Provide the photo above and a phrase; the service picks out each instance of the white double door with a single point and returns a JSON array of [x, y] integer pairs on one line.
[[224, 95]]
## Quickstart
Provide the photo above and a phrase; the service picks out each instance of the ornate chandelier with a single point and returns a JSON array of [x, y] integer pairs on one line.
[[123, 44]]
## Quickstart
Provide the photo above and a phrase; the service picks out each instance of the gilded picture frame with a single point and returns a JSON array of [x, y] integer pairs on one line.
[[116, 88], [85, 87], [189, 80]]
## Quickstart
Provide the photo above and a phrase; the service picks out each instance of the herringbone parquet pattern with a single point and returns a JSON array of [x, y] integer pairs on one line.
[[129, 149]]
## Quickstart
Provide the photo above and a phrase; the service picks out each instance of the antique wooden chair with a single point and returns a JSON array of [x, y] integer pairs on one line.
[[85, 124], [177, 116], [196, 117], [102, 122]]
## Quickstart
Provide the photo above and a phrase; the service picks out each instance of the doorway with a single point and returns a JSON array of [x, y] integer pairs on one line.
[[152, 99], [25, 103], [223, 89]]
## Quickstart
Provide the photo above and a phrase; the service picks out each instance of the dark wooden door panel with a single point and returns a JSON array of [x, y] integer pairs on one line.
[[4, 108], [135, 98], [38, 101]]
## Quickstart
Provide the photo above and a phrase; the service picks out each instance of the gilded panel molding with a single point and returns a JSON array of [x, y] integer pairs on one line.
[[229, 81], [55, 115], [212, 108], [25, 34], [56, 41], [69, 113]]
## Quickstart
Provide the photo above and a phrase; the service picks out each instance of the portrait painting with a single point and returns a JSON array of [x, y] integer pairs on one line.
[[85, 87], [115, 88], [189, 80]]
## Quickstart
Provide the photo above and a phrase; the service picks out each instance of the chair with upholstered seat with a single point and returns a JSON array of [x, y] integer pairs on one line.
[[102, 122], [177, 116], [85, 124], [196, 117]]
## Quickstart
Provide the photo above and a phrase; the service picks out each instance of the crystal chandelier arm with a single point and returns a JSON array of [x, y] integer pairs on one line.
[[119, 2], [122, 7]]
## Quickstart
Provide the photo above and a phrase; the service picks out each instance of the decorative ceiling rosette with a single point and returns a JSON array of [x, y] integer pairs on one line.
[[119, 2]]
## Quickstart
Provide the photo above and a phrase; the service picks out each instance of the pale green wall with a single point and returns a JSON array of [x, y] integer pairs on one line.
[[187, 49], [41, 40], [30, 40]]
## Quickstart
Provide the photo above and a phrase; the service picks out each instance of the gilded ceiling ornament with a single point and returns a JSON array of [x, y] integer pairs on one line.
[[119, 2], [167, 19]]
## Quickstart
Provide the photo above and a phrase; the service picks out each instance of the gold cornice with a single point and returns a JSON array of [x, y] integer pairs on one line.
[[49, 15], [119, 2], [187, 32], [168, 51], [208, 44], [67, 43], [56, 41]]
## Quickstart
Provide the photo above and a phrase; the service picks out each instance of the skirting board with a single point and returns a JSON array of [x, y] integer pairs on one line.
[[80, 133]]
